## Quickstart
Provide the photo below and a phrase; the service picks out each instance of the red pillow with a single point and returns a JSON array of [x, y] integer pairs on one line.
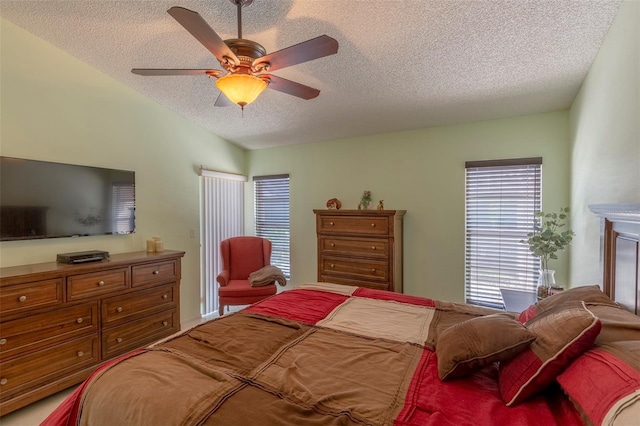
[[563, 333]]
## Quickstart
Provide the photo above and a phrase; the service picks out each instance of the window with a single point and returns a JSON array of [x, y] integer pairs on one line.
[[501, 199], [271, 195]]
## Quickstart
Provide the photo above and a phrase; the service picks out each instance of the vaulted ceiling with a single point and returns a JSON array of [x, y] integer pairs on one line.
[[401, 64]]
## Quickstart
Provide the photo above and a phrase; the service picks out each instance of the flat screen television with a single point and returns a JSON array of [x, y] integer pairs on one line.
[[40, 199]]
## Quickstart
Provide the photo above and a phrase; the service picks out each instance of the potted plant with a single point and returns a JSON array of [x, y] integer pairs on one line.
[[545, 241]]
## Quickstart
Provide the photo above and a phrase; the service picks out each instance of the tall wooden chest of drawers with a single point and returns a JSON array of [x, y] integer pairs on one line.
[[59, 322], [360, 247]]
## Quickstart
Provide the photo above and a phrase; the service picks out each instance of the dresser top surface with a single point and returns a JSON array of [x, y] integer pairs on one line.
[[114, 260]]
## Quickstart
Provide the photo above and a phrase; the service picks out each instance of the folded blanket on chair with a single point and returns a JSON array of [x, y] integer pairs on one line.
[[267, 275]]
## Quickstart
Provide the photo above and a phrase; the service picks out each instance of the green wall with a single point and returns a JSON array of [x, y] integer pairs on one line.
[[56, 108], [605, 139], [421, 171]]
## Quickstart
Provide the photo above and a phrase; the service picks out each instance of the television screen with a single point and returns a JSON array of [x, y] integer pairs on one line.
[[39, 199]]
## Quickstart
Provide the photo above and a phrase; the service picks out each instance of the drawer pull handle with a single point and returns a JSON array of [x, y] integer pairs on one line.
[[333, 245], [373, 270], [79, 320], [333, 266], [80, 353], [3, 381], [119, 340], [119, 309], [164, 296], [22, 298], [156, 272], [373, 225], [164, 323], [373, 247], [3, 341], [100, 283], [331, 223]]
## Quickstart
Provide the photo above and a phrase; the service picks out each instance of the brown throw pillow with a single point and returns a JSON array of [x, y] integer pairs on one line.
[[476, 343], [591, 294], [563, 333]]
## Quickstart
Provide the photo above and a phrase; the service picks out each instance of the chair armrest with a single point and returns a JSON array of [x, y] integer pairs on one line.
[[223, 278]]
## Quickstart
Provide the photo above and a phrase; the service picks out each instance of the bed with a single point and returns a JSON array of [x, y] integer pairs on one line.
[[328, 354]]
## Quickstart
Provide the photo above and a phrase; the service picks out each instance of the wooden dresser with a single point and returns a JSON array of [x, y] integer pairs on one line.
[[59, 322], [360, 247]]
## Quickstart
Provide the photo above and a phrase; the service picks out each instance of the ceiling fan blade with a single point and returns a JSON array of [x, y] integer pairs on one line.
[[291, 87], [198, 27], [223, 101], [306, 51], [162, 72]]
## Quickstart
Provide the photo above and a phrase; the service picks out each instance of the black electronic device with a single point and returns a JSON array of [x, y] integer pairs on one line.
[[82, 256]]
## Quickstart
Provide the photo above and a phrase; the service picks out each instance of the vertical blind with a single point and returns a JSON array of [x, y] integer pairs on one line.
[[501, 199], [222, 218], [271, 195]]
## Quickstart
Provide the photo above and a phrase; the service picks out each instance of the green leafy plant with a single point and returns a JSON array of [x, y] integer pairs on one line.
[[547, 237]]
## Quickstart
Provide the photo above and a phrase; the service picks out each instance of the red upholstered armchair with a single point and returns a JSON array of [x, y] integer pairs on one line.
[[240, 257]]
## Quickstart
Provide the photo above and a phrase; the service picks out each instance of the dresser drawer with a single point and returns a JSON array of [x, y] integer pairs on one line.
[[39, 367], [135, 305], [30, 296], [363, 247], [366, 225], [97, 283], [139, 333], [153, 273], [361, 269], [357, 283], [37, 331]]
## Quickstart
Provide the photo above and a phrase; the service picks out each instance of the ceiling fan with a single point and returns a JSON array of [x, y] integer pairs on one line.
[[246, 62]]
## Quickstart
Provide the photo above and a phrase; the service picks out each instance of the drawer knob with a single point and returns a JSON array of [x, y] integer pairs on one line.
[[119, 340], [22, 298], [80, 353], [164, 323], [119, 309], [156, 272], [100, 283], [333, 245], [3, 341], [331, 223], [3, 381], [164, 296], [373, 270], [373, 225], [79, 320], [333, 266], [373, 247]]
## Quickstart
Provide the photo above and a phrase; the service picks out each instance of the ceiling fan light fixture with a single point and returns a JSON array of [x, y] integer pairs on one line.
[[241, 89]]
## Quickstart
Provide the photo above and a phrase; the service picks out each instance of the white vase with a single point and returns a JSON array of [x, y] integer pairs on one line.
[[546, 280]]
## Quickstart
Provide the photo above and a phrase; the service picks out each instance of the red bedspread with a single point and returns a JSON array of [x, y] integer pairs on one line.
[[318, 355]]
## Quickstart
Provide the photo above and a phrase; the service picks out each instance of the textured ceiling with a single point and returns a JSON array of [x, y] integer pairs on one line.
[[402, 64]]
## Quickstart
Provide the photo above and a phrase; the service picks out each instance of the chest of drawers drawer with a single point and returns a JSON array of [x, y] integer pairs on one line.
[[29, 296], [27, 371], [377, 270], [97, 283], [153, 273], [138, 333], [353, 225], [40, 330], [361, 247], [139, 304]]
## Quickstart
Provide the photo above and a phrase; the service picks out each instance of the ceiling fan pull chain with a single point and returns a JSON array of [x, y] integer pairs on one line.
[[239, 6]]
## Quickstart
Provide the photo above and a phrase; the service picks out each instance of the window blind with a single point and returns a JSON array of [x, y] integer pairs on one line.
[[222, 218], [123, 211], [501, 199], [271, 195]]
